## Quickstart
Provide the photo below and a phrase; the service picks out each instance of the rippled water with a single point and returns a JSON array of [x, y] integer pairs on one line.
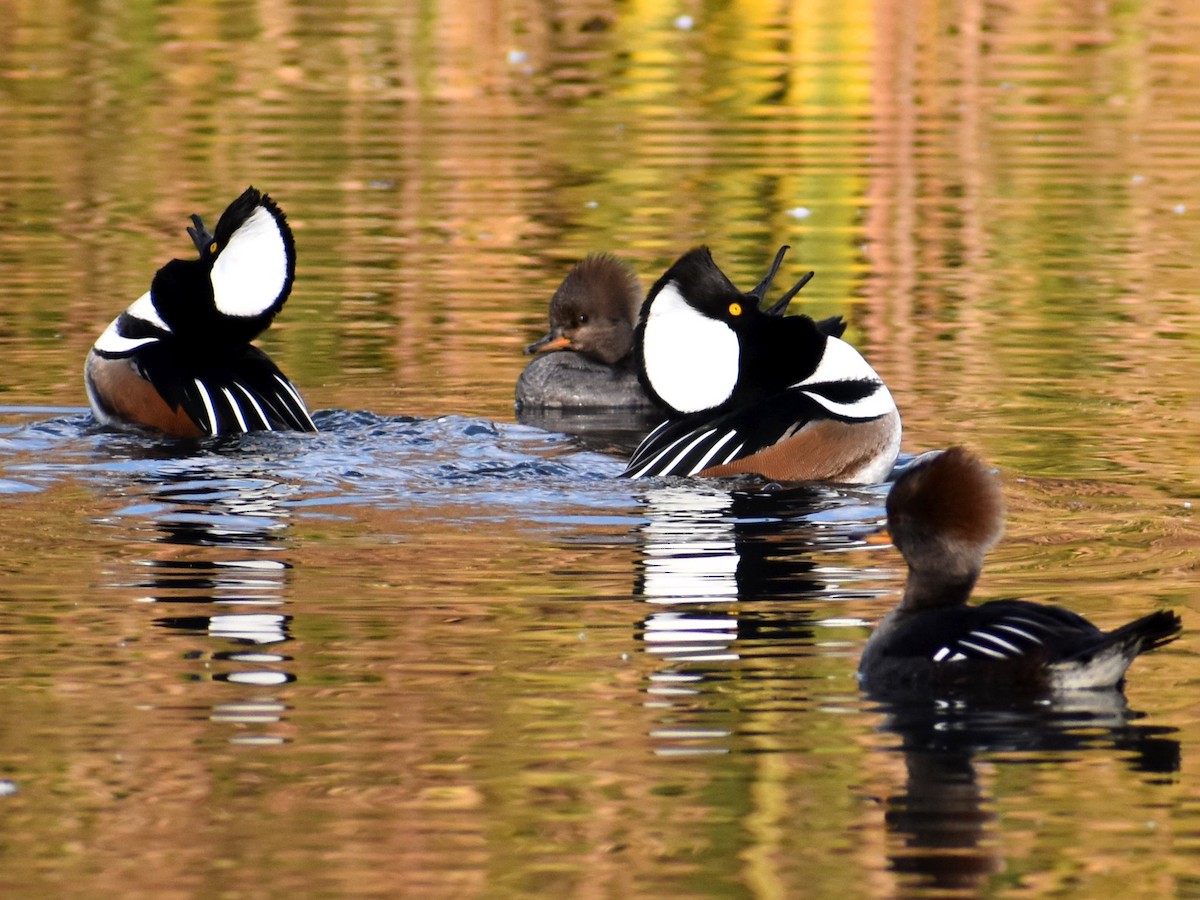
[[435, 651]]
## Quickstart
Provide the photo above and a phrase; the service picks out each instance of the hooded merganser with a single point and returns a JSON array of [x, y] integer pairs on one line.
[[593, 313], [179, 359], [751, 391], [944, 513]]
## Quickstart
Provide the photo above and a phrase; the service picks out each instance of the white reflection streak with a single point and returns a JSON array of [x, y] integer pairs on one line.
[[254, 628], [690, 554]]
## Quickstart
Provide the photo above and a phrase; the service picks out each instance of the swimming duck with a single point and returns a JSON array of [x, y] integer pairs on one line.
[[749, 390], [179, 359], [944, 513], [592, 313]]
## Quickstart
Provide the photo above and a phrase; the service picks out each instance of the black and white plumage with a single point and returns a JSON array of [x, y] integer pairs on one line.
[[750, 390], [944, 513], [179, 359]]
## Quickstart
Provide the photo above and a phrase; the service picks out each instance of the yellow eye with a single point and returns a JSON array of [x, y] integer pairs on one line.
[[735, 309], [212, 248]]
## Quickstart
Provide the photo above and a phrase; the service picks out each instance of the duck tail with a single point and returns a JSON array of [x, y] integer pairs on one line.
[[1147, 633]]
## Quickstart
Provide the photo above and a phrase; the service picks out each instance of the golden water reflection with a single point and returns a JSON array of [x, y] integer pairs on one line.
[[363, 681]]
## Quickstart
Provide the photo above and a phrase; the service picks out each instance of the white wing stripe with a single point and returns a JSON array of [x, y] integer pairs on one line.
[[1032, 623], [986, 651], [237, 412], [1018, 631], [704, 460], [998, 641], [733, 454], [688, 449], [262, 417], [301, 409], [206, 399], [660, 455]]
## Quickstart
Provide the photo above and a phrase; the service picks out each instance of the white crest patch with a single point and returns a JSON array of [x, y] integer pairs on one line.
[[691, 360], [251, 270]]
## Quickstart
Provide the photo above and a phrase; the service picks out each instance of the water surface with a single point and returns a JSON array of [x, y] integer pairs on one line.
[[435, 651]]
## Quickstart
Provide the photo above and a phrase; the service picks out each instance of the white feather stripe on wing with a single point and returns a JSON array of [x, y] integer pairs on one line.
[[206, 399], [237, 411]]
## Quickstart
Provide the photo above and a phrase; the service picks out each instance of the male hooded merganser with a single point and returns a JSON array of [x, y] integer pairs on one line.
[[179, 359], [944, 513], [592, 313], [752, 391]]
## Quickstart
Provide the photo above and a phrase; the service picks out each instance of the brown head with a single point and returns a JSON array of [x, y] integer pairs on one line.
[[594, 310], [944, 514]]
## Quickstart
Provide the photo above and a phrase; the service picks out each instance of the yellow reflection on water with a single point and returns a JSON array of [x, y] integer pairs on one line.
[[1000, 198]]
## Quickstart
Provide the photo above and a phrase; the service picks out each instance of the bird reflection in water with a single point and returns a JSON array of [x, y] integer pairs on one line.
[[216, 529], [942, 825], [616, 432], [734, 585]]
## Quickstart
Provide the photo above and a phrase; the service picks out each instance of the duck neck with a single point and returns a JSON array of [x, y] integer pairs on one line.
[[930, 590]]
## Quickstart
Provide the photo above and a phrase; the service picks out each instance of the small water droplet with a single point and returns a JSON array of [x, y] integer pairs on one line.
[[799, 212], [685, 23]]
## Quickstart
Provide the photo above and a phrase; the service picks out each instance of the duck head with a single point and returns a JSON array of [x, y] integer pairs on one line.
[[944, 513], [594, 310], [704, 345], [242, 277]]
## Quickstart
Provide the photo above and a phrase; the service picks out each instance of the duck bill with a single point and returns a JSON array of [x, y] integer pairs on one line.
[[779, 307], [880, 538], [760, 290], [552, 341]]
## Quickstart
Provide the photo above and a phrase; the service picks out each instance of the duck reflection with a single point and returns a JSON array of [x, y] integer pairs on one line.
[[941, 824], [723, 570], [616, 432], [214, 527]]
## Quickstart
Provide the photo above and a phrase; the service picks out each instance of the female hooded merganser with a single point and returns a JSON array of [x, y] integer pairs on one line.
[[179, 359], [752, 391], [944, 513], [592, 313]]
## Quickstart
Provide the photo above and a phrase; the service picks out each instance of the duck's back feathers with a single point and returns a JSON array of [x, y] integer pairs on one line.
[[1007, 642], [575, 381], [789, 437], [242, 392]]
